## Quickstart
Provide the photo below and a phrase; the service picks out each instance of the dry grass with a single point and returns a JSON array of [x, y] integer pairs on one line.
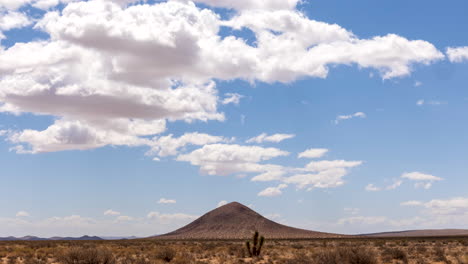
[[318, 251]]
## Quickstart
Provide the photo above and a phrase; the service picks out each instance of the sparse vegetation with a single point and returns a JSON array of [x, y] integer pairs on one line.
[[312, 251]]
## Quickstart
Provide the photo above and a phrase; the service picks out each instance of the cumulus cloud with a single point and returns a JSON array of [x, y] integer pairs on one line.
[[111, 212], [124, 218], [372, 188], [13, 4], [273, 191], [366, 220], [22, 214], [167, 218], [422, 102], [394, 185], [232, 98], [457, 206], [313, 153], [221, 203], [11, 20], [252, 4], [166, 201], [76, 225], [411, 203], [109, 65], [270, 138], [458, 54], [346, 117], [226, 159], [422, 180], [170, 146]]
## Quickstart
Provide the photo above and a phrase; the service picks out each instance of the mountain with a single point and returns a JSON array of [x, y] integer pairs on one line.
[[34, 238], [237, 221], [422, 233], [76, 238]]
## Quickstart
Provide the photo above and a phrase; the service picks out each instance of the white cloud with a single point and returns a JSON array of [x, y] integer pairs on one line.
[[273, 191], [457, 206], [169, 146], [331, 178], [313, 153], [352, 211], [273, 216], [346, 117], [252, 4], [232, 98], [22, 214], [422, 180], [76, 225], [270, 138], [411, 203], [422, 102], [325, 165], [11, 20], [13, 4], [99, 66], [372, 188], [111, 212], [271, 175], [366, 220], [226, 159], [166, 201], [221, 203], [167, 218], [453, 206], [78, 135], [321, 174], [458, 54], [124, 218], [417, 84], [396, 184]]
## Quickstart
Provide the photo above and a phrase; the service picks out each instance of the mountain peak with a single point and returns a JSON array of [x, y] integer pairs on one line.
[[237, 221]]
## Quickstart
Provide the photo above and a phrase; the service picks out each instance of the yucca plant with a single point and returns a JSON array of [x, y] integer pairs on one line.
[[257, 244]]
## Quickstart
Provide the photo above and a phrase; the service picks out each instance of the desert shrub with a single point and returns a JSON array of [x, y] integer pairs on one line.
[[421, 249], [379, 243], [87, 256], [12, 260], [346, 255], [298, 258], [34, 261], [462, 259], [439, 254], [165, 254], [389, 254]]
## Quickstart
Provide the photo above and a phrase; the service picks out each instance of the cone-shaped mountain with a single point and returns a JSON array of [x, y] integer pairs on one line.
[[237, 221]]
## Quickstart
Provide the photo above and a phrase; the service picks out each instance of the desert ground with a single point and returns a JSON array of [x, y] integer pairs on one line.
[[320, 251]]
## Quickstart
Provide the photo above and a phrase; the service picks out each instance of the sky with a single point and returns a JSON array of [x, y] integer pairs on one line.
[[122, 117]]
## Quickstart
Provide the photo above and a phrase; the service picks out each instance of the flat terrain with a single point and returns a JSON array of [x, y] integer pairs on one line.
[[314, 251]]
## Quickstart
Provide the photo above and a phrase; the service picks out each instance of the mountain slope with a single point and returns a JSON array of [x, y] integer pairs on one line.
[[422, 233], [236, 221]]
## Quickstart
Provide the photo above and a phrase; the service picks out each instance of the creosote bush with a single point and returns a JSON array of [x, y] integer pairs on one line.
[[165, 254], [79, 255], [345, 255]]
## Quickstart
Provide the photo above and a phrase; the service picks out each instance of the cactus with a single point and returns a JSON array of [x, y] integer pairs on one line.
[[256, 248]]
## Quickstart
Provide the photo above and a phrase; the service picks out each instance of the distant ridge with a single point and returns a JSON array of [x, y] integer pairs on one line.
[[34, 238], [237, 221], [421, 233]]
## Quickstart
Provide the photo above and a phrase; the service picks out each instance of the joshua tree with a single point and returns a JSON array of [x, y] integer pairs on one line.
[[256, 246]]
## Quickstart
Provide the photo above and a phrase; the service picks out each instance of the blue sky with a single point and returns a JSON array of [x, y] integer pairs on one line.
[[120, 118]]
